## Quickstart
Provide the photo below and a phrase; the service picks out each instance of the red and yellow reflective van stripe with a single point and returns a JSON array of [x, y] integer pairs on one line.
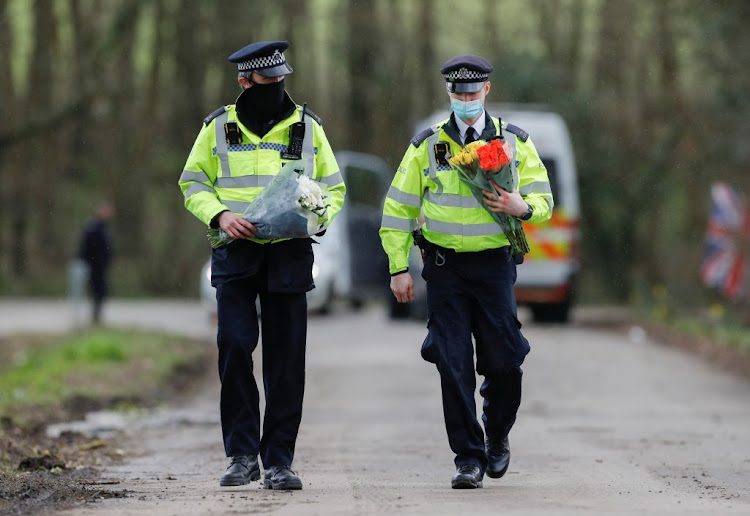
[[552, 240]]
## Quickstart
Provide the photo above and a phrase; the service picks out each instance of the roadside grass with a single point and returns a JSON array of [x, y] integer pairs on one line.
[[724, 342], [39, 374], [50, 378], [722, 334]]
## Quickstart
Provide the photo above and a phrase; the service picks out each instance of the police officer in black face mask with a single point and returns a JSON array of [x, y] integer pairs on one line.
[[237, 153], [263, 102]]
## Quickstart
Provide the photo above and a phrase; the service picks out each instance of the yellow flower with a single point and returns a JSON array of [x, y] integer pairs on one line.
[[467, 155], [473, 146], [659, 292], [464, 157], [716, 311]]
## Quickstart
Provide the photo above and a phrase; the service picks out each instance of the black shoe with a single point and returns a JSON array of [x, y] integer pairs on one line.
[[498, 457], [281, 477], [242, 470], [467, 477]]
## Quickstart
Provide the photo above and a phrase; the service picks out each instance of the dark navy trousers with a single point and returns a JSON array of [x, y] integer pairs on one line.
[[284, 329], [471, 294]]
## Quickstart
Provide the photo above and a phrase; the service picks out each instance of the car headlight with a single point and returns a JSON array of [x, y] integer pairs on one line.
[[315, 270]]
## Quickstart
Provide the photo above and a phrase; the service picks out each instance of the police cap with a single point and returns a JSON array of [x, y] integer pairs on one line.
[[265, 58], [466, 74]]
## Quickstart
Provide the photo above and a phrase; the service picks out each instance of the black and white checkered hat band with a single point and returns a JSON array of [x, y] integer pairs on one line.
[[259, 63], [464, 74]]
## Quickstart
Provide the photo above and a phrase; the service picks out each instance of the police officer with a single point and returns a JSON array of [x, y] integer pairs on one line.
[[468, 268], [239, 149]]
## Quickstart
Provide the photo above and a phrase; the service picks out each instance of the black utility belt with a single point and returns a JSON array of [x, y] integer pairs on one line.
[[446, 250], [440, 254]]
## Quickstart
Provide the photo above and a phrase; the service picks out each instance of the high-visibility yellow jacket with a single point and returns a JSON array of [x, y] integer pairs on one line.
[[219, 176], [453, 218]]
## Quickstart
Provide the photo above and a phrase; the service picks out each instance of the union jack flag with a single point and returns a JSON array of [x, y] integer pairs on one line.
[[725, 265]]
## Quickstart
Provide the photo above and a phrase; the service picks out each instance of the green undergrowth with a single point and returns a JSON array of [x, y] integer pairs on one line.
[[722, 334], [101, 366]]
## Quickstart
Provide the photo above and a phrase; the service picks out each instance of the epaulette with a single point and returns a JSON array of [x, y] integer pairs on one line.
[[418, 139], [313, 116], [517, 131], [213, 115]]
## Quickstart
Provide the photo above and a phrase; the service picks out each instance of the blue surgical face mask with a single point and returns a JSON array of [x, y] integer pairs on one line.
[[467, 110]]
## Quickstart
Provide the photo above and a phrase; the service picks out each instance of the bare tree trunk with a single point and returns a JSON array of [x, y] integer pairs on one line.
[[611, 79], [550, 17], [6, 113], [34, 183], [426, 84], [82, 74], [361, 64], [115, 170], [573, 59]]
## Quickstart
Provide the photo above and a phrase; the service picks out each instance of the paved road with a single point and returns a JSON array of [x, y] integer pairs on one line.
[[608, 424]]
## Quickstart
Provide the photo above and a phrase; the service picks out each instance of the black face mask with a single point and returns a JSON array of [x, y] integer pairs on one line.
[[261, 102]]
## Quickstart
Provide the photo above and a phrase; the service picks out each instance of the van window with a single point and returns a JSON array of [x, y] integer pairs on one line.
[[551, 166], [364, 187]]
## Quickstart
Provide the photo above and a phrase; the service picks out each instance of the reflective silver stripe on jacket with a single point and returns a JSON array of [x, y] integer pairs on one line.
[[400, 224], [511, 139], [189, 175], [456, 228], [221, 144], [243, 181], [332, 180], [452, 200], [236, 206], [541, 187], [308, 149], [198, 187], [403, 197]]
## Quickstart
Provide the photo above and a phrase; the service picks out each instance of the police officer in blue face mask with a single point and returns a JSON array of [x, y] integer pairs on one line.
[[468, 268]]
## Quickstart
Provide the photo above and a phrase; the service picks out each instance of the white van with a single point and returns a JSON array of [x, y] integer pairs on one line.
[[546, 280]]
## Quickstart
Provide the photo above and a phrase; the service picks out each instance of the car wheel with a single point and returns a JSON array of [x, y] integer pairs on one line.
[[357, 303], [551, 312], [327, 305]]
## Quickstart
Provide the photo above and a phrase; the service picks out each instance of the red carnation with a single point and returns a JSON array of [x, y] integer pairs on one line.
[[492, 157]]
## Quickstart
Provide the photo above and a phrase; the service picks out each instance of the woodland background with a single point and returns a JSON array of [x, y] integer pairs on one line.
[[102, 99]]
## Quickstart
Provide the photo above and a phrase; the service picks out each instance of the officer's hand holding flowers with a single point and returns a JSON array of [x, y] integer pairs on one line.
[[505, 202], [235, 226], [486, 168], [291, 206]]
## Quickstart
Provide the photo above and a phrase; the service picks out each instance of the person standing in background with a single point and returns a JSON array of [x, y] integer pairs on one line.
[[96, 252]]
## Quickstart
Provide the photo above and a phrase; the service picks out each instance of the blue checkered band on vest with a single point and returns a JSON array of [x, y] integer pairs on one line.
[[465, 73], [259, 63]]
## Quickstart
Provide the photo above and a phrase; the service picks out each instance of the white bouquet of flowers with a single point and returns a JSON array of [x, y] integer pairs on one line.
[[291, 206]]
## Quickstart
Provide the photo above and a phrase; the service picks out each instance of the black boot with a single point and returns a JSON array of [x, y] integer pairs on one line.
[[281, 477], [242, 470], [498, 456], [467, 477]]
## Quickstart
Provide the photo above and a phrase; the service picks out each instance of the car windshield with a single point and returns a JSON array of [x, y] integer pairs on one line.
[[364, 187]]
